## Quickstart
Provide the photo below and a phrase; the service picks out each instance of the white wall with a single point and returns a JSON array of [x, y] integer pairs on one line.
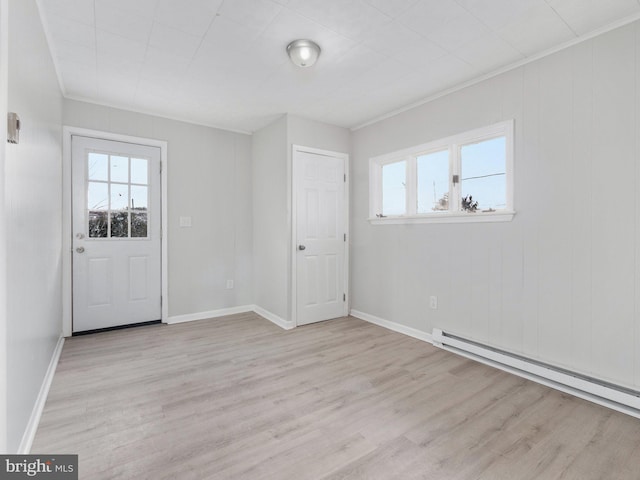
[[4, 62], [33, 200], [272, 156], [209, 179], [561, 282], [270, 241], [310, 133]]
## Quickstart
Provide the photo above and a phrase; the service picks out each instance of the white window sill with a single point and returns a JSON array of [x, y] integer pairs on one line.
[[502, 216]]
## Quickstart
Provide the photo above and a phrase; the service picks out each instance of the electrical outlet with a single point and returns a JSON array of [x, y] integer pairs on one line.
[[185, 222], [229, 284], [433, 302]]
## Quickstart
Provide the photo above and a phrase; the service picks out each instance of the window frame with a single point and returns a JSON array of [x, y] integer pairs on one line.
[[109, 183], [453, 144]]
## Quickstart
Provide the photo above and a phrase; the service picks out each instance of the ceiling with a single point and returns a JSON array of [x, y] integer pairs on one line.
[[223, 62]]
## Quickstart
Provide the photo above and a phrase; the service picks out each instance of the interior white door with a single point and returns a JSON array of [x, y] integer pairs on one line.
[[116, 233], [320, 237]]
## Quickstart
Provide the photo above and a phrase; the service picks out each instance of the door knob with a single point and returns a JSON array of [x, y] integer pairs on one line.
[[301, 247], [80, 249]]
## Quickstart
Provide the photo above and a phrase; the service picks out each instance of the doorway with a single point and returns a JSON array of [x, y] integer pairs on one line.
[[320, 235], [115, 269]]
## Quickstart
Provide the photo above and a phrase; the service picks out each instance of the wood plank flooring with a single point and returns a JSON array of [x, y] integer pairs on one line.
[[239, 398]]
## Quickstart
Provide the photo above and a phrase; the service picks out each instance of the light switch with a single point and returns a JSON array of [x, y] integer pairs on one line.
[[185, 222]]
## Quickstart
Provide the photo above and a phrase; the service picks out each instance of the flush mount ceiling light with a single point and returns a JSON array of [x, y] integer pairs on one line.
[[303, 53]]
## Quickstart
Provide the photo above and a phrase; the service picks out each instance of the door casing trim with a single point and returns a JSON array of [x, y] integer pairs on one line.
[[296, 149], [67, 233]]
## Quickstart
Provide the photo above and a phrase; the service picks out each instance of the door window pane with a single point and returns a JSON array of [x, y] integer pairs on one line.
[[119, 169], [394, 178], [120, 223], [139, 171], [433, 182], [98, 209], [138, 224], [483, 174], [119, 196], [139, 197], [98, 196], [98, 166]]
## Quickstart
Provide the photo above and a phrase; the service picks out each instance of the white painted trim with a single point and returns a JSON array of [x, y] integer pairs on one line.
[[501, 216], [67, 233], [396, 327], [36, 413], [495, 73], [452, 144], [575, 386], [273, 318], [192, 317], [294, 224]]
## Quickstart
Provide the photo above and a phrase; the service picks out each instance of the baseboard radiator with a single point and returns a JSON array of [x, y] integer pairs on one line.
[[603, 393]]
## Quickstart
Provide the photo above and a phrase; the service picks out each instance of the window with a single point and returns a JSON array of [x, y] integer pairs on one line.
[[117, 196], [394, 188], [463, 178]]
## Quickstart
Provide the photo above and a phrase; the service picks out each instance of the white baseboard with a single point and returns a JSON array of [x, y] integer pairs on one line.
[[281, 322], [192, 317], [396, 327], [36, 413]]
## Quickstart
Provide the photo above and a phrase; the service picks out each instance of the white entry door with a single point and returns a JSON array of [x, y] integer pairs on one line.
[[321, 226], [116, 233]]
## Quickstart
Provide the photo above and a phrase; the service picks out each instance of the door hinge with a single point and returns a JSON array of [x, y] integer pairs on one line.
[[345, 178], [345, 237], [344, 297]]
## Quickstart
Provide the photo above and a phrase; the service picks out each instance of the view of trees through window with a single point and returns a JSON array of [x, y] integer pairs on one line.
[[117, 196]]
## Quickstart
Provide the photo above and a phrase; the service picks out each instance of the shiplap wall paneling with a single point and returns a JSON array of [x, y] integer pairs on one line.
[[581, 198], [461, 283], [528, 212], [551, 197], [480, 285], [511, 329], [613, 272]]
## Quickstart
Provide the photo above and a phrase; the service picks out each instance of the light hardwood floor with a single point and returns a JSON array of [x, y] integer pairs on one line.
[[239, 398]]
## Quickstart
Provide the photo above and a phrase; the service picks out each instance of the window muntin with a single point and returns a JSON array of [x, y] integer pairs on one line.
[[117, 196], [464, 178]]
